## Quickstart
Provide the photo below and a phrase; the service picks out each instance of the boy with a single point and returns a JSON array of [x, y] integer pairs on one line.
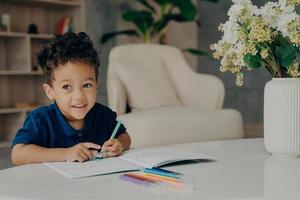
[[74, 127]]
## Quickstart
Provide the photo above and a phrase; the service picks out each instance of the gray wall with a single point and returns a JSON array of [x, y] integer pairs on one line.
[[101, 17], [104, 16]]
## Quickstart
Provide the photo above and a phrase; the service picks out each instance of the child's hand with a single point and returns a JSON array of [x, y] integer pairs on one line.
[[81, 152], [112, 147]]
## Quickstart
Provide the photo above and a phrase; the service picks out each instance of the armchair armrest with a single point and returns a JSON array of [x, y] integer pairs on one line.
[[202, 91], [116, 95]]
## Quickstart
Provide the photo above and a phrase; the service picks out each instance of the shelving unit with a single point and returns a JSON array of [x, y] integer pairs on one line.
[[20, 77]]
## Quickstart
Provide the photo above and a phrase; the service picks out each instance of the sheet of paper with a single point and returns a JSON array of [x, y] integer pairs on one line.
[[133, 159], [92, 168], [154, 157]]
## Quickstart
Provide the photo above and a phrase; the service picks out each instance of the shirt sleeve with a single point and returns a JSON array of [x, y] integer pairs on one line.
[[113, 123], [29, 133]]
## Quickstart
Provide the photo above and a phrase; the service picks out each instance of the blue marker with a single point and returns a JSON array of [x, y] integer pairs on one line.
[[100, 155], [162, 172]]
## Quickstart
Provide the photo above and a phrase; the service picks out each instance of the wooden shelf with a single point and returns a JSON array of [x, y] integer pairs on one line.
[[14, 72], [54, 3], [12, 34], [41, 36], [5, 144], [15, 110]]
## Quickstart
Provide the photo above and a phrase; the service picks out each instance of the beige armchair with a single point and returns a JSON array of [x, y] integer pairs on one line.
[[169, 103]]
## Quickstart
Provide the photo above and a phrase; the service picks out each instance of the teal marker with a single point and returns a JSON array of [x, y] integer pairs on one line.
[[162, 172], [100, 155]]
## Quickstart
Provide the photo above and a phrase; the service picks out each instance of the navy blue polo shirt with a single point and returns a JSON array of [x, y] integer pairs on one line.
[[47, 127]]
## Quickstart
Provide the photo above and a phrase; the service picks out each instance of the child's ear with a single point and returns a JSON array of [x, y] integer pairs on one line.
[[49, 91]]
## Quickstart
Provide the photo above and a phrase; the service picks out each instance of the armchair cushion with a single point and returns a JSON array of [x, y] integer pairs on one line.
[[170, 125], [147, 84]]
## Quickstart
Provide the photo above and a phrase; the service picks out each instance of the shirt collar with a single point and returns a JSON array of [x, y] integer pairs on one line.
[[67, 128]]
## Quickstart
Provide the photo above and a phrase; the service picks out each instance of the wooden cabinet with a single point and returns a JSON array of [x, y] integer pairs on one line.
[[20, 77]]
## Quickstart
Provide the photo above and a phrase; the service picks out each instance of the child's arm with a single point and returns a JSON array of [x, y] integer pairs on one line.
[[115, 147], [31, 153]]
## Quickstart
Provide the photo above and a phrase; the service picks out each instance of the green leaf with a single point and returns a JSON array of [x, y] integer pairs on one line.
[[253, 61], [213, 1], [142, 19], [187, 9], [162, 2], [281, 41], [147, 5], [196, 52], [163, 22], [107, 36], [286, 55]]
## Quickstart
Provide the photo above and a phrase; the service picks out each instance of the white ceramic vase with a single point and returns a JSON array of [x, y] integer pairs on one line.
[[282, 116]]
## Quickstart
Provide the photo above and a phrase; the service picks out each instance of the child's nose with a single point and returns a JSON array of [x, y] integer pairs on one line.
[[78, 94]]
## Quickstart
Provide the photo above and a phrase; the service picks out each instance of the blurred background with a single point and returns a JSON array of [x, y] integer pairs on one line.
[[106, 16], [25, 25]]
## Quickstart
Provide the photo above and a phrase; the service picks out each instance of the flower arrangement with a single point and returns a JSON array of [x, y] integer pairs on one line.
[[254, 37]]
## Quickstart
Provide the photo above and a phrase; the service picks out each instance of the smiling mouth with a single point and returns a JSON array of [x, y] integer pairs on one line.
[[79, 106]]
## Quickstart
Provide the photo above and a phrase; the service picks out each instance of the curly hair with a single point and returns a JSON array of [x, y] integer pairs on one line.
[[69, 47]]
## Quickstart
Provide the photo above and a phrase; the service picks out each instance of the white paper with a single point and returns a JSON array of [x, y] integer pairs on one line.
[[133, 159], [154, 157], [91, 168]]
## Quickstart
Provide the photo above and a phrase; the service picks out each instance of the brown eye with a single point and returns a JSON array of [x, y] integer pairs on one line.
[[88, 85], [66, 87]]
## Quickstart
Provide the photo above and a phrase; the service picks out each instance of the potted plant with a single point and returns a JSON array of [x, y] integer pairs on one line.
[[267, 37], [153, 21]]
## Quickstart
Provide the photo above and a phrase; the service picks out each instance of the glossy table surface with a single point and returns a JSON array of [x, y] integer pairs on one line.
[[242, 170]]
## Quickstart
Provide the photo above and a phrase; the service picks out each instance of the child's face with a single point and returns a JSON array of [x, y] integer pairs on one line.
[[74, 88]]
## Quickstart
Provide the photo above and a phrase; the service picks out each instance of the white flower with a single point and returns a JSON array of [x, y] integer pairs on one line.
[[231, 34], [251, 34], [283, 21], [241, 10], [286, 3], [234, 12], [242, 2], [239, 79], [282, 3], [270, 12]]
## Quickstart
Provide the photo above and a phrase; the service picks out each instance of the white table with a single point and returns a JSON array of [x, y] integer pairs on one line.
[[243, 170]]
